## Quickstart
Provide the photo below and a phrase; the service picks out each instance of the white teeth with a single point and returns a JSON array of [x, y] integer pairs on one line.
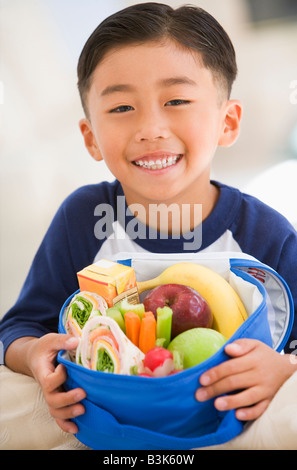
[[158, 164]]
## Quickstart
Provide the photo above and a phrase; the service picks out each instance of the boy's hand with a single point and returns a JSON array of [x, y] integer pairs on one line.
[[41, 359], [256, 371]]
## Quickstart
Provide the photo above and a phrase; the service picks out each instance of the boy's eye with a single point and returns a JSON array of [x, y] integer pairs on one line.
[[177, 102], [121, 109]]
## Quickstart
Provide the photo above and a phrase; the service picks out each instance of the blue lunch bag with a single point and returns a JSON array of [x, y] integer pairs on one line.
[[131, 412]]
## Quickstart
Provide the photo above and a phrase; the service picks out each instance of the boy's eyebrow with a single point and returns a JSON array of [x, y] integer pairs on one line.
[[182, 80], [166, 82], [117, 88]]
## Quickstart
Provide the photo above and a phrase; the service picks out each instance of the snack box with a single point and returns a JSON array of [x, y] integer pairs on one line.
[[113, 281], [140, 413]]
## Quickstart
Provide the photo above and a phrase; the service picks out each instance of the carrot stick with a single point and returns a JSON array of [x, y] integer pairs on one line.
[[132, 324], [147, 335], [148, 314]]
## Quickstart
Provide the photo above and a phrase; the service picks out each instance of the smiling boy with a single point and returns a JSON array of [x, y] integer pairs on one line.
[[155, 85], [164, 107]]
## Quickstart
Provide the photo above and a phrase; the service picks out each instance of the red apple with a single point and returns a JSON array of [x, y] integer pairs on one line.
[[189, 309]]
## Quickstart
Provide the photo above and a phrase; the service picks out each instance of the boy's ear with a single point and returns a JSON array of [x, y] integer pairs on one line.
[[231, 124], [89, 138]]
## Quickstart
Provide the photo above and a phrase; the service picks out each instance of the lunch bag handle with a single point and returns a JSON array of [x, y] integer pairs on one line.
[[122, 436]]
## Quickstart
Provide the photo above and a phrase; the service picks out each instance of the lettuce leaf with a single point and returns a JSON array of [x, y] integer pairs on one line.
[[81, 315], [104, 361]]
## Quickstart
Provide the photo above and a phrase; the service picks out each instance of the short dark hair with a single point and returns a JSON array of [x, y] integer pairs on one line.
[[190, 26]]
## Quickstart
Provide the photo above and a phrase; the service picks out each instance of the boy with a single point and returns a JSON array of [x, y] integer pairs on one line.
[[155, 86]]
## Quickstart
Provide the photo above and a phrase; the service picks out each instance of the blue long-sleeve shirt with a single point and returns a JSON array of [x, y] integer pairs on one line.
[[89, 225]]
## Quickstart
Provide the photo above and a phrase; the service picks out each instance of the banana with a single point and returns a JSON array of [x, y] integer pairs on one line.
[[226, 306]]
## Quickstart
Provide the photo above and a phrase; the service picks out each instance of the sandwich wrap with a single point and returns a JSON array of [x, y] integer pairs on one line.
[[104, 347], [83, 306]]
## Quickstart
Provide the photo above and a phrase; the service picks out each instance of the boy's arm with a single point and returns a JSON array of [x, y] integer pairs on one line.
[[28, 331], [16, 355], [66, 248], [254, 370], [37, 357]]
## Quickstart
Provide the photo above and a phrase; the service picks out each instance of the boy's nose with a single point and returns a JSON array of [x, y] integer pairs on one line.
[[152, 127]]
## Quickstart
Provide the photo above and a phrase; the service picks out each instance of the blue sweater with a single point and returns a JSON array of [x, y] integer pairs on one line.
[[89, 226]]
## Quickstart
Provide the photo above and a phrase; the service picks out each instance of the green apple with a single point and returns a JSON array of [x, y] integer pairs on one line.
[[196, 345]]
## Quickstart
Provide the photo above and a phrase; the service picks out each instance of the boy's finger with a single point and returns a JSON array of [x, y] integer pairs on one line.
[[67, 412], [71, 343], [61, 399], [63, 341], [249, 404], [240, 361], [228, 384], [252, 412], [52, 344], [225, 369], [54, 379], [240, 347], [67, 426]]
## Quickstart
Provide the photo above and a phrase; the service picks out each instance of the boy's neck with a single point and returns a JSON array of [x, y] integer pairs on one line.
[[174, 217]]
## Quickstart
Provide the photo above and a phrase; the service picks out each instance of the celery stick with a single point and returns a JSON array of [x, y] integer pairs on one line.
[[178, 359], [164, 322], [114, 313], [124, 306], [160, 342]]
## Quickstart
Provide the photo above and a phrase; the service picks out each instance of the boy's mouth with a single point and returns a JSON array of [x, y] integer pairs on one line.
[[158, 163]]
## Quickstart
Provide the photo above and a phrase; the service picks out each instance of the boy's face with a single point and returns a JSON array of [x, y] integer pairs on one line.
[[156, 118]]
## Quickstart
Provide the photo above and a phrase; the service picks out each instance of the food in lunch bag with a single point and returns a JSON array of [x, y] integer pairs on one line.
[[225, 304], [190, 310], [104, 347], [111, 280], [158, 362], [125, 305], [197, 345], [164, 326], [114, 313], [132, 323], [137, 338], [147, 332], [146, 348], [141, 332], [118, 311], [83, 306]]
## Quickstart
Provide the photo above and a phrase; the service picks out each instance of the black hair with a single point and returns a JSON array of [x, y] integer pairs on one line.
[[190, 26]]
